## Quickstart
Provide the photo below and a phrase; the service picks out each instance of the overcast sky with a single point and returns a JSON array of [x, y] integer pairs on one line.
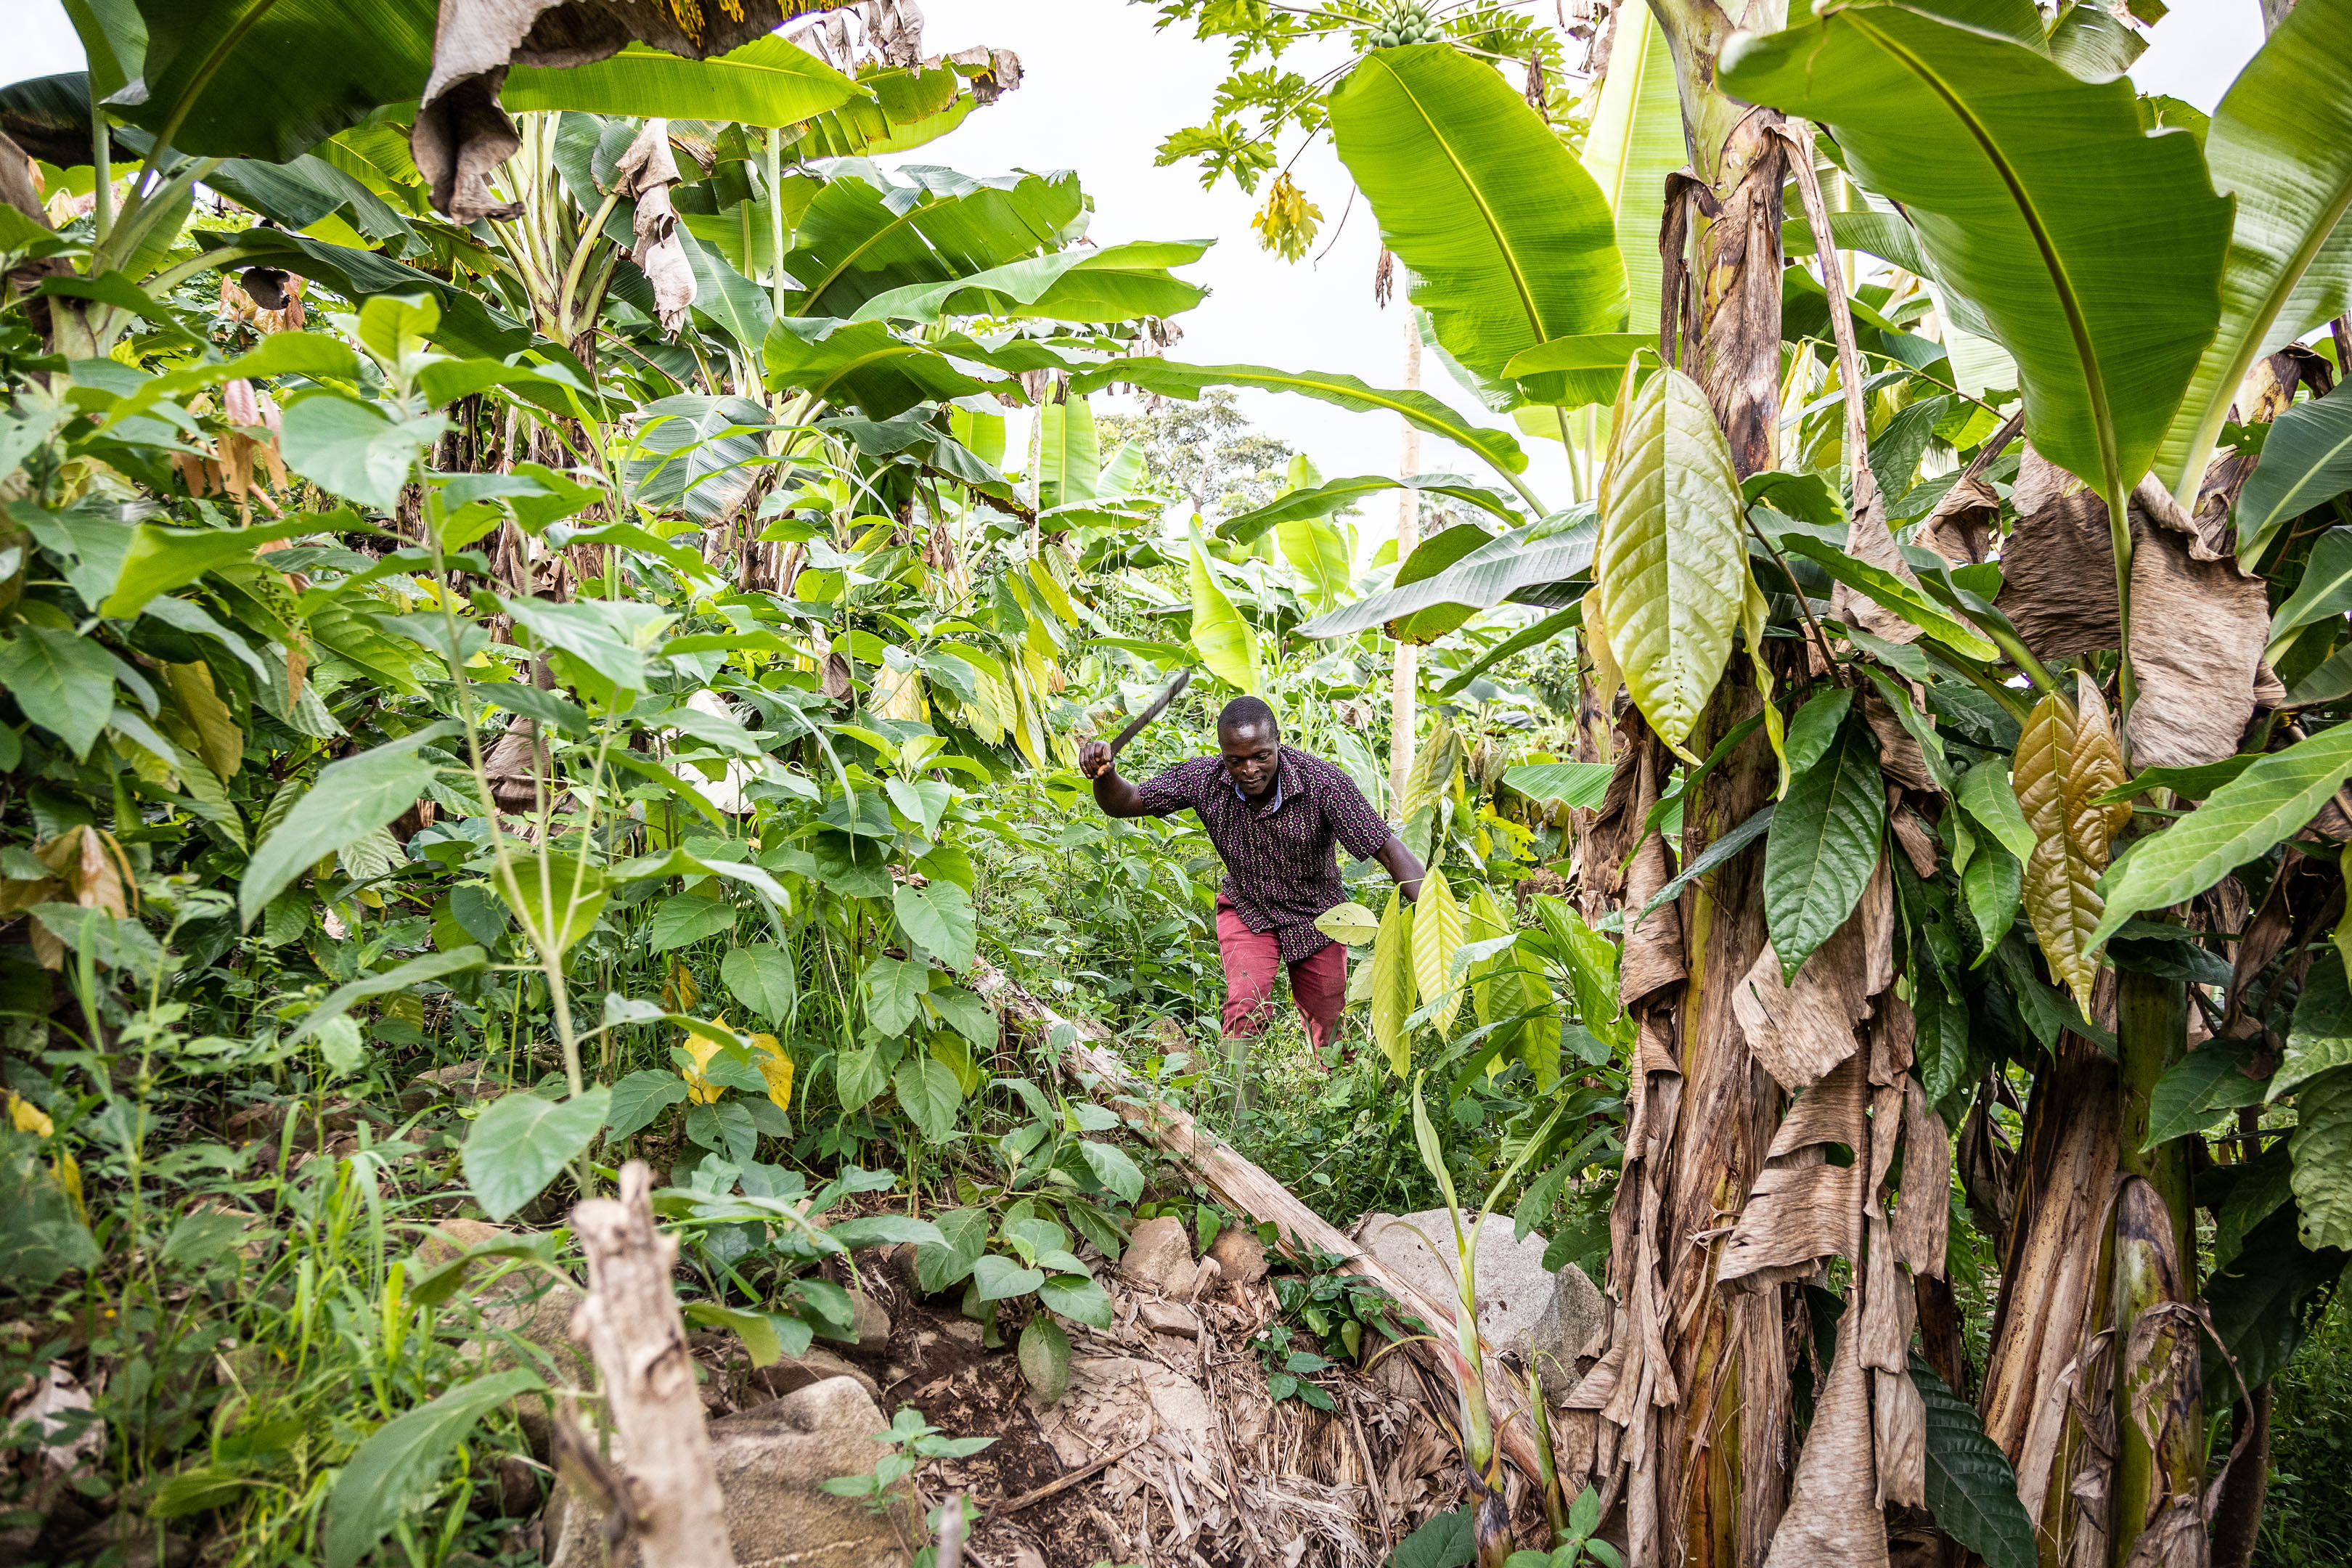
[[1101, 89]]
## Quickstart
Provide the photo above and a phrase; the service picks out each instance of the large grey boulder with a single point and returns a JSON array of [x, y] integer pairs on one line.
[[1524, 1309], [772, 1462]]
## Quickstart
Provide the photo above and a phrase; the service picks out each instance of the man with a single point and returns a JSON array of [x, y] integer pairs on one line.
[[1275, 815]]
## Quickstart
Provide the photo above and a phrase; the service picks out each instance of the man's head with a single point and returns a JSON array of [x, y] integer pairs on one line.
[[1250, 742]]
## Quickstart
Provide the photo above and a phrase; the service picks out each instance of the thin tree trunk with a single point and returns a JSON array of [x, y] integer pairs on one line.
[[1707, 1480], [1405, 676], [2238, 1517], [631, 1325]]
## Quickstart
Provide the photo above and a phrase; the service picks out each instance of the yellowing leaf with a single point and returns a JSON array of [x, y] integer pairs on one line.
[[218, 740], [2065, 760], [1671, 567], [1222, 638], [775, 1066], [26, 1117], [1392, 983], [1436, 933], [1352, 924], [698, 1088]]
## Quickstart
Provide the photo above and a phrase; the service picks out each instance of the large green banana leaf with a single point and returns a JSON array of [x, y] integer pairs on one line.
[[864, 233], [2094, 251], [861, 363], [1322, 500], [768, 81], [1168, 379], [1635, 141], [1115, 283], [1509, 241], [2281, 142], [1556, 550], [467, 326]]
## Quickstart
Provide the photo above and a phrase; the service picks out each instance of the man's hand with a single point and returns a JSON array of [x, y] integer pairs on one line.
[[1404, 866], [1094, 760], [1114, 794]]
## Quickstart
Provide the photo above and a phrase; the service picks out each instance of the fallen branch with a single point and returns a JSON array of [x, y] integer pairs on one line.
[[630, 1324], [1061, 1484], [1251, 1192]]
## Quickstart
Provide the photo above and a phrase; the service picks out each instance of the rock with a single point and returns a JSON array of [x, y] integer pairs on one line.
[[772, 1462], [1241, 1255], [1113, 1401], [1577, 1315], [518, 1487], [1160, 1256], [793, 1373], [1167, 1317], [1515, 1290], [872, 1328]]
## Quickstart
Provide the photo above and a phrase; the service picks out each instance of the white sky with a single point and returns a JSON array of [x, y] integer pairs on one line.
[[1101, 89]]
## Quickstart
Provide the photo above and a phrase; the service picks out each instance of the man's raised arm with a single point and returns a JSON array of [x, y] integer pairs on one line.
[[1399, 861], [1114, 794]]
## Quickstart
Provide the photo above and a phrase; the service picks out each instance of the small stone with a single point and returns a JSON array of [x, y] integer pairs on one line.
[[813, 1365], [1241, 1255], [1514, 1290], [1167, 1317], [518, 1487], [872, 1323], [1160, 1256], [964, 1329]]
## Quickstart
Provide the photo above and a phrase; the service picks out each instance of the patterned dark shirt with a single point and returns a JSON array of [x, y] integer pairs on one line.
[[1280, 869]]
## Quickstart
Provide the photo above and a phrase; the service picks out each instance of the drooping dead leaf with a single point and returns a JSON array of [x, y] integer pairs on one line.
[[1833, 1512], [1653, 954], [1962, 526], [648, 171], [1917, 840], [1898, 1419], [2200, 621], [1900, 757], [1802, 1029], [1803, 1209], [2057, 565], [1923, 1219]]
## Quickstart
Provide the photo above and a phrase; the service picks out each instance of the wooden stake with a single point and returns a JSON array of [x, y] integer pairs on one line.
[[630, 1324]]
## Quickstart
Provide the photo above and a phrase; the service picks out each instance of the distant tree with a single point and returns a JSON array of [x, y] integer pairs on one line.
[[1205, 454]]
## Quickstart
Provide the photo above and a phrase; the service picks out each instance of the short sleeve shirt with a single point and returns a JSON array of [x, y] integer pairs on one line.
[[1281, 870]]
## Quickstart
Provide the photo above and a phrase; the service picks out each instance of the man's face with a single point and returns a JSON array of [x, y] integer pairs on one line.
[[1251, 756]]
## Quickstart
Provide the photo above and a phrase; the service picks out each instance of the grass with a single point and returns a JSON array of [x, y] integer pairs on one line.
[[2307, 1520]]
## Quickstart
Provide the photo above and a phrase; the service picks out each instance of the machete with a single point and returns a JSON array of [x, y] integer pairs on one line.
[[1158, 705]]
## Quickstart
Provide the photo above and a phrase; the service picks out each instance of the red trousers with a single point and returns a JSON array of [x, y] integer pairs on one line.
[[1318, 984]]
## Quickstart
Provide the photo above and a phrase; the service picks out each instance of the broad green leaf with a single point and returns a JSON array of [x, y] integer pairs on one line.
[[397, 979], [2321, 1147], [2307, 461], [1225, 641], [863, 232], [1436, 933], [561, 897], [1339, 495], [1513, 565], [518, 1145], [894, 993], [61, 683], [1989, 799], [1114, 283], [1044, 1356], [387, 1476], [963, 1237], [685, 918], [996, 1277], [768, 81], [1069, 459], [1670, 569], [1165, 378], [2201, 1087], [862, 363], [939, 917], [1449, 1540], [595, 633], [1823, 845], [162, 559], [1816, 727], [1574, 373], [886, 1230], [1635, 142], [1575, 784], [2239, 821], [756, 1329], [2326, 589], [1350, 925], [1393, 983], [1318, 552], [639, 1097], [1892, 595], [1971, 1489], [859, 1074], [1113, 1169], [1507, 240], [2280, 143], [1994, 885], [967, 1014], [2261, 1303], [2320, 1038], [350, 797], [354, 450], [2039, 202], [762, 978], [929, 1095], [1077, 1298]]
